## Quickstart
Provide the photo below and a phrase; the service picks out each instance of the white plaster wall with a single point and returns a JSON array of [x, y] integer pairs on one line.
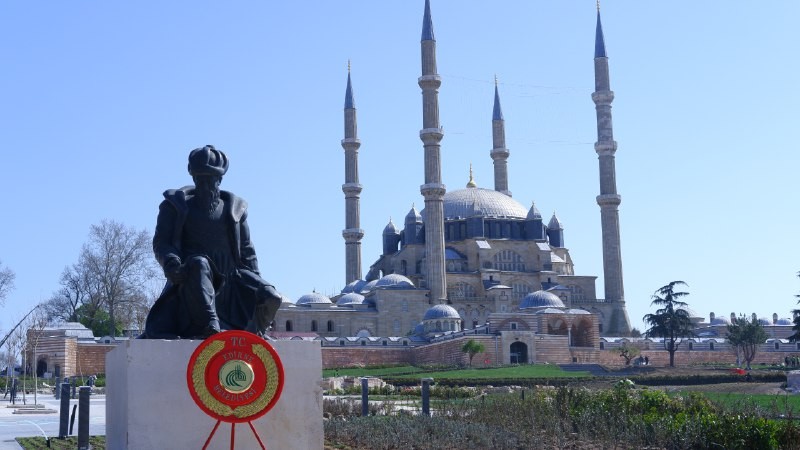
[[148, 404]]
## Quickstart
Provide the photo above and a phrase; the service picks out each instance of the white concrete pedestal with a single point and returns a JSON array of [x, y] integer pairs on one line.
[[148, 404]]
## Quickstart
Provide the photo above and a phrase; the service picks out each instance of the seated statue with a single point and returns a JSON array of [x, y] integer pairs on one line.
[[202, 242]]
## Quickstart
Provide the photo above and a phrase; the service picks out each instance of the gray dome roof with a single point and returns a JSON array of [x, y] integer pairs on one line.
[[390, 228], [368, 287], [533, 213], [541, 299], [350, 299], [394, 281], [441, 311], [550, 311], [314, 297], [721, 320], [554, 224], [764, 321], [354, 286], [784, 321], [413, 216], [471, 202]]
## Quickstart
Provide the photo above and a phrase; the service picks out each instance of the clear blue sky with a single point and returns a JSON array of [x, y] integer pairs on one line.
[[102, 102]]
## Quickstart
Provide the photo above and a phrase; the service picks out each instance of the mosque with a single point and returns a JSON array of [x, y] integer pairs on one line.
[[473, 261], [473, 264]]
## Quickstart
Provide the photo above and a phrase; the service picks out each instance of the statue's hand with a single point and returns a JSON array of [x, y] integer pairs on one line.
[[174, 271]]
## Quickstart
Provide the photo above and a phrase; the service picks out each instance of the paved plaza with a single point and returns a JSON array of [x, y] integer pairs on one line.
[[46, 424]]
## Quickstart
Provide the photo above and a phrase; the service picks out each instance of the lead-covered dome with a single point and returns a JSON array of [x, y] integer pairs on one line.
[[313, 298], [541, 299], [354, 286], [394, 281], [350, 299], [472, 202], [441, 311]]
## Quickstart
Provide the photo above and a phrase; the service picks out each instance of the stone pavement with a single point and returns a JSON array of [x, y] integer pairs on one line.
[[39, 424]]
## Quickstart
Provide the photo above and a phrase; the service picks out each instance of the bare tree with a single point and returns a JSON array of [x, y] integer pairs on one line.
[[75, 292], [119, 263], [36, 330], [6, 282]]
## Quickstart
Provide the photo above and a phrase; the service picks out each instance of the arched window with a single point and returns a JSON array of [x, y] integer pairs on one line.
[[330, 326], [520, 290], [313, 325], [289, 325], [576, 292], [508, 260], [711, 345], [460, 291]]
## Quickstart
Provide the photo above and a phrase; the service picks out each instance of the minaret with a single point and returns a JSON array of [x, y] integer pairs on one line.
[[609, 199], [352, 189], [499, 151], [433, 190]]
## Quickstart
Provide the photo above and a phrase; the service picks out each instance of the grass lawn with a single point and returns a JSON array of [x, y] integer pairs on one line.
[[70, 443], [781, 403], [522, 371]]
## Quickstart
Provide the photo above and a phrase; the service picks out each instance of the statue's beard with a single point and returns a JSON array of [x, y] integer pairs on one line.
[[207, 197]]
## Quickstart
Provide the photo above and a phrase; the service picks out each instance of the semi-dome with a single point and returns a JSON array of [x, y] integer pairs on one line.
[[764, 321], [441, 311], [472, 202], [367, 287], [541, 299], [313, 298], [784, 321], [350, 299], [354, 286], [394, 281]]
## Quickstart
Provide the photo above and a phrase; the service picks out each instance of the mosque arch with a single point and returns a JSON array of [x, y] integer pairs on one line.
[[581, 334], [518, 353], [557, 327]]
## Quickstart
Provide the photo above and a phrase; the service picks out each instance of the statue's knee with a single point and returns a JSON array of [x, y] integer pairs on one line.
[[198, 265]]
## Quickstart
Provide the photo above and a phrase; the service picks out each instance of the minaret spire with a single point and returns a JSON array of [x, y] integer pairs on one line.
[[433, 190], [609, 199], [499, 151], [352, 189]]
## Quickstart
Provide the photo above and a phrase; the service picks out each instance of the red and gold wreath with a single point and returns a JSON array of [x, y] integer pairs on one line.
[[235, 376]]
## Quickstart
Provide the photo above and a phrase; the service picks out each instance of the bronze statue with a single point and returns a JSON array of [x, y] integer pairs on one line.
[[202, 242]]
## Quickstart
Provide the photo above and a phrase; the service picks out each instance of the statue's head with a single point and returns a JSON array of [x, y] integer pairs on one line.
[[207, 161]]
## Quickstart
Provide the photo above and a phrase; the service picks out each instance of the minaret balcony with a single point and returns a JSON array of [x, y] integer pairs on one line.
[[499, 153], [609, 200], [351, 189], [432, 191], [351, 143], [605, 148], [431, 136], [430, 81], [603, 97], [352, 234]]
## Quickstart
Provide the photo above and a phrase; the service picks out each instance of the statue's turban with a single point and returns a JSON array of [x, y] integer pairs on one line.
[[207, 161]]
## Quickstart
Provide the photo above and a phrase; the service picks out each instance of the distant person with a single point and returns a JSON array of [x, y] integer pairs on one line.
[[646, 360], [202, 242]]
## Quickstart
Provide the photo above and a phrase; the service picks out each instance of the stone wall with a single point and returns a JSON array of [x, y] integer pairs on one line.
[[693, 357], [334, 357], [446, 352], [91, 358]]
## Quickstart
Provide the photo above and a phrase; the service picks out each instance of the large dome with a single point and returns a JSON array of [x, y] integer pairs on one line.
[[541, 299], [313, 298], [441, 311], [471, 202], [394, 281]]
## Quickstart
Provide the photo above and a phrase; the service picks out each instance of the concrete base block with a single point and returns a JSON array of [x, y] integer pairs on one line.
[[148, 404]]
